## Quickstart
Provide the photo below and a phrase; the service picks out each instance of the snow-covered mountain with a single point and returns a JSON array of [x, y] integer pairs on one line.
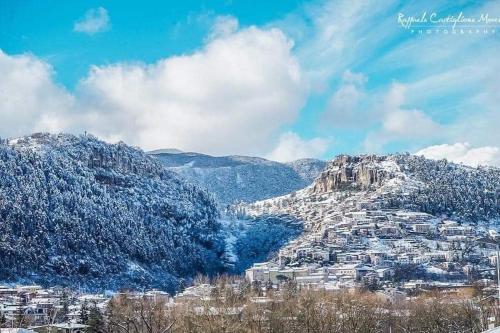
[[419, 218], [241, 178], [76, 210], [400, 181]]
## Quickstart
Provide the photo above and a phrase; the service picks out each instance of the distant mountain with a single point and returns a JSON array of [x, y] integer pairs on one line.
[[307, 168], [240, 178], [76, 210], [167, 150]]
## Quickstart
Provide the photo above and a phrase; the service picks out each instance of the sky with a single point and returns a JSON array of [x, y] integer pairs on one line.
[[278, 79]]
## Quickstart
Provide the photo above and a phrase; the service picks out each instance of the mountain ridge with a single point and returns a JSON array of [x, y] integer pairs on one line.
[[237, 178]]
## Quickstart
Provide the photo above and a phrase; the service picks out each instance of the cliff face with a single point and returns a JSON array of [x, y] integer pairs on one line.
[[358, 172]]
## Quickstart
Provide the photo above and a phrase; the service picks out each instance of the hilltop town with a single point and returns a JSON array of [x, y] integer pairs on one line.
[[354, 237]]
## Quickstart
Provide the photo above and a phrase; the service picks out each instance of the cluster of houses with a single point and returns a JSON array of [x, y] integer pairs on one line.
[[44, 310], [33, 309], [353, 241], [54, 310]]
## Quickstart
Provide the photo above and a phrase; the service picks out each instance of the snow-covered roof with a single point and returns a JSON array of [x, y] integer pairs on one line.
[[69, 326]]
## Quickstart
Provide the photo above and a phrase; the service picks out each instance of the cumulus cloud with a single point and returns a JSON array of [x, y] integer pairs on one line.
[[232, 96], [95, 20], [292, 147], [345, 106], [29, 99], [399, 123], [409, 123], [463, 153]]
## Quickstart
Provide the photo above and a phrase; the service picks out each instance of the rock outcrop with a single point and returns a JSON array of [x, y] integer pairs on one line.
[[357, 172]]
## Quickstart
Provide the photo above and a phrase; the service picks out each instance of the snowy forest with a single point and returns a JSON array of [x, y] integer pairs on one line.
[[458, 191], [75, 210]]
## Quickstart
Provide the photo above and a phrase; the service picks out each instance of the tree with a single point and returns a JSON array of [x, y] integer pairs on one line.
[[65, 305], [3, 320], [84, 312], [95, 320], [20, 317], [135, 314], [269, 285]]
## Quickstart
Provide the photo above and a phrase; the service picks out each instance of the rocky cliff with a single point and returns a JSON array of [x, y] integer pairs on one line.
[[356, 172], [415, 183]]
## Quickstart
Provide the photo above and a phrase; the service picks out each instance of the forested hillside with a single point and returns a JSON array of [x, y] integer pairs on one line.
[[76, 209], [458, 191]]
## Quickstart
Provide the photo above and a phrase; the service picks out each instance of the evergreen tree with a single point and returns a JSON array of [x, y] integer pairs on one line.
[[75, 209], [95, 320], [84, 312], [65, 306], [3, 320]]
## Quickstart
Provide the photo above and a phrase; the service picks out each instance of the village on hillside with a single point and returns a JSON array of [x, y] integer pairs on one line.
[[354, 238]]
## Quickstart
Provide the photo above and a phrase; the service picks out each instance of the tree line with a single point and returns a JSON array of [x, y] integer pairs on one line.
[[248, 308]]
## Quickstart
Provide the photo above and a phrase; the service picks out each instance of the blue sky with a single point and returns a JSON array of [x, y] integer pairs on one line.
[[279, 79], [139, 31]]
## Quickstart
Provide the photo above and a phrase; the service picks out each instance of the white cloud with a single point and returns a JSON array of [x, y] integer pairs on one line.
[[231, 97], [223, 26], [95, 20], [292, 147], [395, 97], [409, 123], [345, 106], [335, 35], [345, 99], [356, 78], [399, 123], [29, 99], [463, 153]]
